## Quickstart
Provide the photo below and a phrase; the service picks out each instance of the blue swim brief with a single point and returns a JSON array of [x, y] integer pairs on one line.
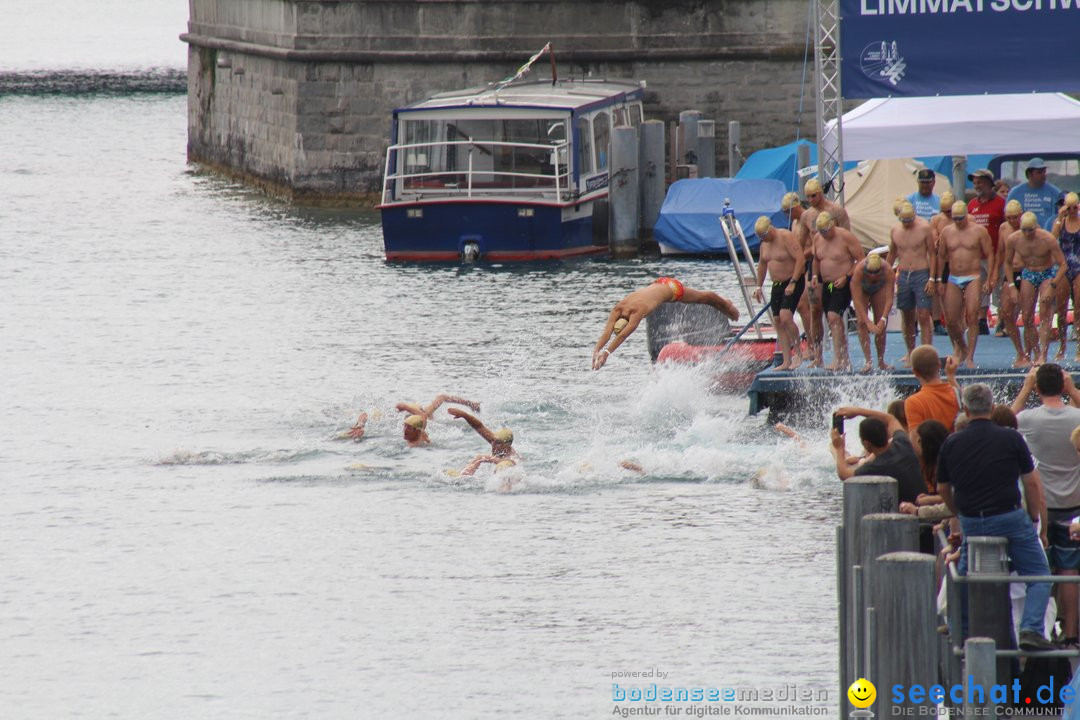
[[1038, 277], [962, 281]]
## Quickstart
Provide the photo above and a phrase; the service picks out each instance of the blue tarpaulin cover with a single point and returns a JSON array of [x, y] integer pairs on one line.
[[778, 163], [690, 216]]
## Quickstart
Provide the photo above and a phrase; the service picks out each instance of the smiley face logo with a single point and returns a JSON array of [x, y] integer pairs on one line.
[[862, 693]]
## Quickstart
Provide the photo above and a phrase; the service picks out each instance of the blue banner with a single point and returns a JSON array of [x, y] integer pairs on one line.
[[915, 48]]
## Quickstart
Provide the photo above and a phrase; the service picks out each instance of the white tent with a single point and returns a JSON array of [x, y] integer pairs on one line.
[[961, 125], [870, 189]]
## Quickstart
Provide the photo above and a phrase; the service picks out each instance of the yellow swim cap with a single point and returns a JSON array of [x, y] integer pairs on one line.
[[1013, 207], [812, 186], [1072, 199], [907, 211], [416, 421], [959, 210], [504, 436], [824, 221], [619, 325], [762, 226], [504, 464], [947, 200], [1028, 221], [873, 262], [790, 200], [897, 204]]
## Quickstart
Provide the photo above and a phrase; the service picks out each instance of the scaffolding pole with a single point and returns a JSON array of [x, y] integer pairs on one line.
[[830, 103]]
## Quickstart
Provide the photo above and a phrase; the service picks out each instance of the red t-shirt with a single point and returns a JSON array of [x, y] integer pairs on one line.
[[989, 214]]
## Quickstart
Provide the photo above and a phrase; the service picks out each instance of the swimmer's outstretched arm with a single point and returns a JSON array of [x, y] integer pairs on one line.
[[634, 318], [357, 431], [411, 408], [444, 398], [474, 423], [475, 464], [707, 297]]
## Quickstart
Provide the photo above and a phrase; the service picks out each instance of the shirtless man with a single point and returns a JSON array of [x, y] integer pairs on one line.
[[836, 250], [635, 307], [1043, 272], [938, 223], [502, 440], [964, 245], [1066, 230], [805, 231], [1009, 309], [872, 285], [792, 208], [415, 428], [783, 258], [911, 247]]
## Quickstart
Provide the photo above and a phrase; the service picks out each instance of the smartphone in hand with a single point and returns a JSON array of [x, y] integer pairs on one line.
[[838, 423]]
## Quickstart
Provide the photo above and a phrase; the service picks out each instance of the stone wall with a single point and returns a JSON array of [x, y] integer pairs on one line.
[[295, 95]]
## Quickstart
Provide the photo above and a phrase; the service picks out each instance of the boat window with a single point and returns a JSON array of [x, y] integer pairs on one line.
[[636, 115], [584, 151], [601, 138], [619, 115]]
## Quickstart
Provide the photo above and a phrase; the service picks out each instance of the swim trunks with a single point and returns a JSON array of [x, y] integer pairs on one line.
[[834, 299], [677, 288], [1038, 277], [911, 290], [962, 281], [779, 301], [1070, 245]]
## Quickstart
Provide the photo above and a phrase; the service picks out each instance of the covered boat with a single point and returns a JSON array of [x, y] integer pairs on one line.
[[689, 222], [516, 171]]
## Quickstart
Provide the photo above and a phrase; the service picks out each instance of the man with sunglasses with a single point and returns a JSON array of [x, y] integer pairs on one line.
[[911, 247], [805, 232], [1043, 273], [1009, 307], [987, 209], [964, 245], [1037, 195]]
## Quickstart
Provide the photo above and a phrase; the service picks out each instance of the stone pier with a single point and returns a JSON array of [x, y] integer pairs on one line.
[[295, 96]]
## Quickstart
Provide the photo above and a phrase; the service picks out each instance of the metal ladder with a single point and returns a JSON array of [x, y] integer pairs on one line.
[[739, 255]]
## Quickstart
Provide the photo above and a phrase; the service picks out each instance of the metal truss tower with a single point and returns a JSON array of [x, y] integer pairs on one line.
[[830, 105]]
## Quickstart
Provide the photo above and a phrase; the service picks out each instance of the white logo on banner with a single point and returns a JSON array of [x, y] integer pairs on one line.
[[882, 61]]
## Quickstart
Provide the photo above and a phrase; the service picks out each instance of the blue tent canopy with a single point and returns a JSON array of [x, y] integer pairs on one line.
[[690, 216]]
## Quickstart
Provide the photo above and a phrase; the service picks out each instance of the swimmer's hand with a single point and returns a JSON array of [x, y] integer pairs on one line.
[[357, 431], [599, 357], [730, 310], [758, 295]]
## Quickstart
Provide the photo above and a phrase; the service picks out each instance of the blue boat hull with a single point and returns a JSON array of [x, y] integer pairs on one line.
[[502, 231]]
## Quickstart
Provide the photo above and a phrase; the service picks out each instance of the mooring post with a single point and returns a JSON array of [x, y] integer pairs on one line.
[[802, 156], [882, 533], [980, 674], [906, 628], [989, 607], [863, 495], [706, 132], [624, 192], [651, 173], [734, 131], [688, 124]]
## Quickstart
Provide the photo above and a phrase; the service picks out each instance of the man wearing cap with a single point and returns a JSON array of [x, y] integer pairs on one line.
[[638, 305], [987, 208], [807, 228], [1067, 231], [1043, 272], [501, 440], [1037, 195], [836, 250], [872, 284], [911, 248], [1009, 307], [924, 200], [415, 428], [938, 223], [783, 258], [792, 207], [964, 246]]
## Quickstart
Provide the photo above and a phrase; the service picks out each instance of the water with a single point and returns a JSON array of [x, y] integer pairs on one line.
[[182, 534]]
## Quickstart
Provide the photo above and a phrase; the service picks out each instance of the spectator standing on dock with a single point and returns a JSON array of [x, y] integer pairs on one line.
[[1037, 195], [1009, 307], [872, 287], [884, 438], [1043, 271], [783, 258], [807, 229], [977, 478], [964, 245], [836, 250], [638, 305], [911, 248], [1067, 231], [934, 400], [415, 428], [1002, 188], [924, 200], [986, 209], [1047, 429]]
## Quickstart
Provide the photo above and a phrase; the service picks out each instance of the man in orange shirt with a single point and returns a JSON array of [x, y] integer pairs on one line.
[[935, 400]]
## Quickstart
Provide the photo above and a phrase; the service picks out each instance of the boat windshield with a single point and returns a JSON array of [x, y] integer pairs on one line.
[[1062, 172], [505, 153]]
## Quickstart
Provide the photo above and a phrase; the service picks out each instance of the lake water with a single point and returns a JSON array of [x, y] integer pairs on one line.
[[182, 535]]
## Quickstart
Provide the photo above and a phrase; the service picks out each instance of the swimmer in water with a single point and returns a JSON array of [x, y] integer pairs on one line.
[[501, 440], [474, 465], [635, 307], [415, 428], [356, 432]]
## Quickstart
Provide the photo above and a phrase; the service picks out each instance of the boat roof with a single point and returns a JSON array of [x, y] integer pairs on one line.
[[562, 95]]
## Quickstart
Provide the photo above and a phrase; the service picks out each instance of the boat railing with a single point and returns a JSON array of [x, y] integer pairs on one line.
[[403, 184]]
